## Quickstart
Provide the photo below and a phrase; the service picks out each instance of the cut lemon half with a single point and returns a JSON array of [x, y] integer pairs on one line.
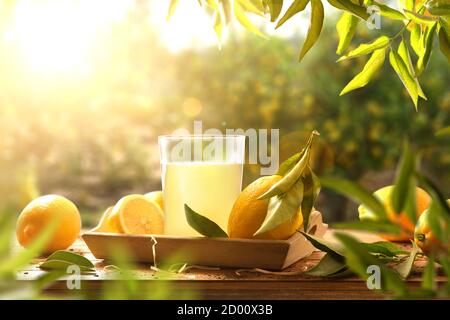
[[109, 222], [139, 215]]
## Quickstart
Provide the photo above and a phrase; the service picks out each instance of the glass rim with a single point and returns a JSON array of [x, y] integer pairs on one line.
[[200, 136]]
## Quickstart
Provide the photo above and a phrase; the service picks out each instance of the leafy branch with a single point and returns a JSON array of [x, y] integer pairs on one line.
[[422, 22]]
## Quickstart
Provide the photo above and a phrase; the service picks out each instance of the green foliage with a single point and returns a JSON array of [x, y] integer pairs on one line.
[[418, 14], [358, 256]]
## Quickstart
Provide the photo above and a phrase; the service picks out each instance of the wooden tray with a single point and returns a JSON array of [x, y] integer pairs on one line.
[[220, 252]]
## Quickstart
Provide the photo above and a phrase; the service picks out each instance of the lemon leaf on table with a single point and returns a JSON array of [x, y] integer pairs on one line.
[[329, 265], [404, 268], [72, 258], [324, 245], [358, 259], [203, 225], [62, 265]]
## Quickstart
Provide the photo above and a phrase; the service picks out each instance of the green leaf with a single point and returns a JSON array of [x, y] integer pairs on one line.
[[444, 43], [407, 79], [429, 275], [6, 232], [372, 66], [315, 27], [346, 27], [358, 259], [349, 6], [404, 268], [275, 7], [294, 173], [403, 175], [414, 39], [323, 245], [389, 12], [373, 226], [218, 26], [290, 163], [240, 15], [435, 193], [404, 53], [282, 208], [203, 225], [420, 19], [296, 7], [443, 132], [385, 247], [61, 265], [172, 7], [72, 258], [407, 4], [252, 6], [311, 189], [434, 217], [356, 193], [424, 57], [438, 7], [327, 266], [366, 48]]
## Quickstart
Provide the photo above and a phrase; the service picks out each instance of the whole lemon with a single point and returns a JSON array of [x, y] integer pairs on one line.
[[36, 216], [248, 213], [401, 219], [426, 239]]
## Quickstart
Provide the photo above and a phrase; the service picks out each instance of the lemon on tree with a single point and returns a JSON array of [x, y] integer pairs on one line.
[[37, 216]]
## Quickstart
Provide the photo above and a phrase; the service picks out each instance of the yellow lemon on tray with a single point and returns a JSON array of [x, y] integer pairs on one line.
[[139, 215], [156, 196], [37, 215], [248, 213], [109, 222]]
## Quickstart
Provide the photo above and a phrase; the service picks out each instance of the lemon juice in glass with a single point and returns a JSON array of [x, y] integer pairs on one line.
[[204, 172]]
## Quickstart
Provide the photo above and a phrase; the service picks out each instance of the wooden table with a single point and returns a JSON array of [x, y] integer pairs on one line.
[[222, 283]]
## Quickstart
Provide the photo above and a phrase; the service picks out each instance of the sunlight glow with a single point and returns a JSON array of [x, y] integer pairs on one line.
[[190, 26], [56, 36]]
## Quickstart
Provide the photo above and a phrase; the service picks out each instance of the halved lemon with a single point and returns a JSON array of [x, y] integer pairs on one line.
[[139, 215], [109, 222]]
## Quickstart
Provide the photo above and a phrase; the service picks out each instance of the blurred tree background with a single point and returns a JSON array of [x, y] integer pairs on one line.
[[93, 136]]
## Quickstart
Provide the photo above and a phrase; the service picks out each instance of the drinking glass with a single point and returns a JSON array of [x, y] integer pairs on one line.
[[202, 171]]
